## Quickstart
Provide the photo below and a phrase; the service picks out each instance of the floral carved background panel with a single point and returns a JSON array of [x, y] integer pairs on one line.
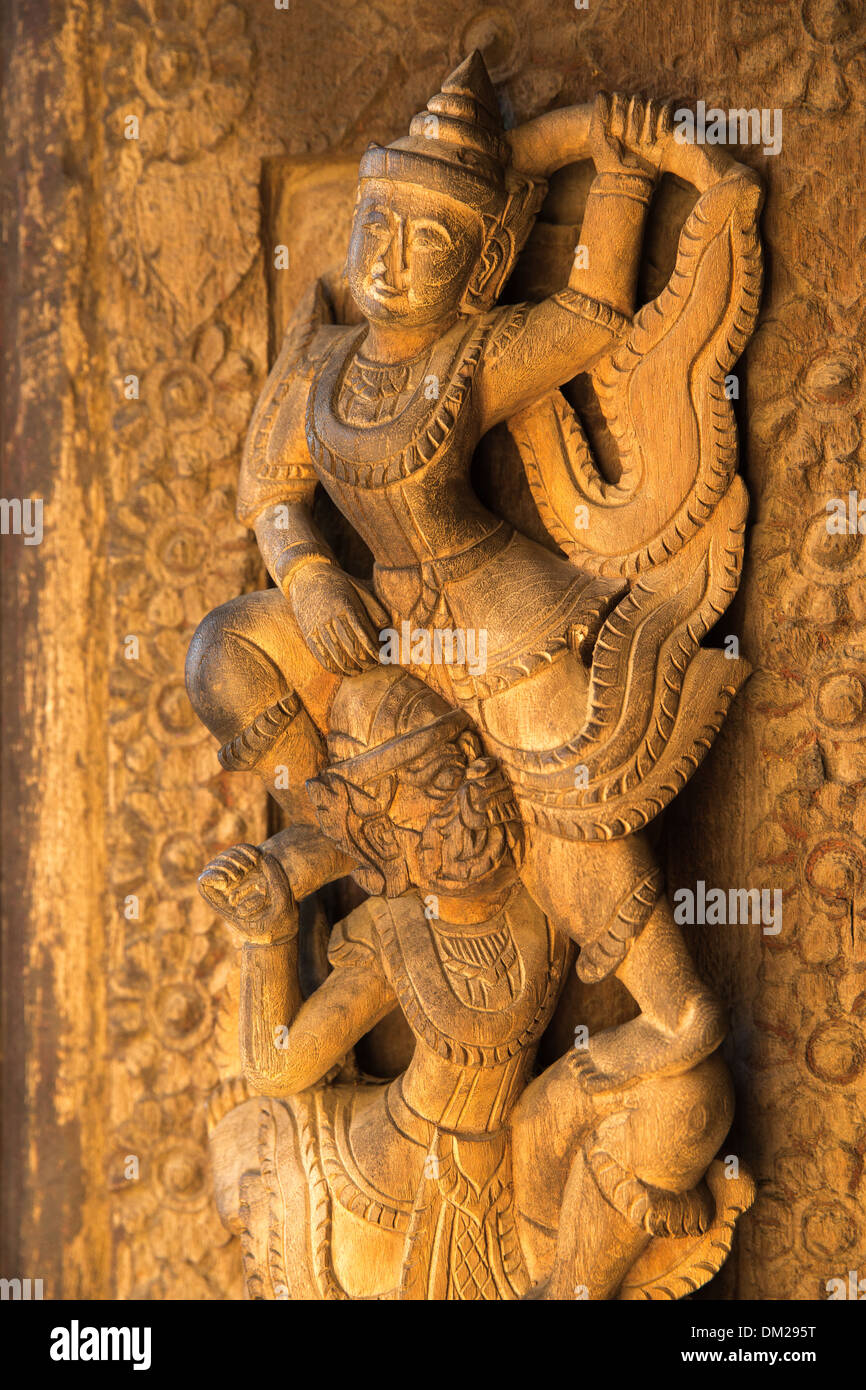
[[139, 321]]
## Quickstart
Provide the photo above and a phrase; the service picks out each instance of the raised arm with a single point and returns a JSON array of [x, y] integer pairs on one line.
[[288, 1044], [567, 332], [631, 142]]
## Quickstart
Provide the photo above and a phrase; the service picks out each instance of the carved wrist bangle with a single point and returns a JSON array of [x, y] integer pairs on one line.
[[285, 940], [625, 185], [294, 557]]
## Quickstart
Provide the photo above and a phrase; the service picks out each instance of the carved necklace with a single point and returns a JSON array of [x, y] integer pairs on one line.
[[370, 390], [375, 453], [483, 968]]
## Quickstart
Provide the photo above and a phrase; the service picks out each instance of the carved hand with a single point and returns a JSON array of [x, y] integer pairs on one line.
[[248, 887], [629, 135], [335, 620], [620, 1057]]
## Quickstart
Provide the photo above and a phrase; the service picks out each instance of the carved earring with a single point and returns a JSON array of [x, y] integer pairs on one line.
[[379, 834]]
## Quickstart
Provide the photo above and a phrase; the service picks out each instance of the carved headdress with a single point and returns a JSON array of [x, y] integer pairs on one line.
[[384, 720], [458, 147]]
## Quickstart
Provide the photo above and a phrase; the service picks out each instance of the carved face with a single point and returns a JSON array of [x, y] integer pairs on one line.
[[412, 253], [445, 823], [469, 832]]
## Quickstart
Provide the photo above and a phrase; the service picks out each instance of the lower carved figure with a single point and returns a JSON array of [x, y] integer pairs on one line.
[[464, 1177]]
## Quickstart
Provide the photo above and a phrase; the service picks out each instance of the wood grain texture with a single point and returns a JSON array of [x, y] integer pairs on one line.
[[153, 260]]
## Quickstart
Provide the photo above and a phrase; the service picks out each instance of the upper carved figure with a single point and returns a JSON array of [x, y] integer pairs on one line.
[[590, 694]]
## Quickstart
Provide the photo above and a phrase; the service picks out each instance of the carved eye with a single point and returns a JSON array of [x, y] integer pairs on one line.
[[375, 222], [427, 238]]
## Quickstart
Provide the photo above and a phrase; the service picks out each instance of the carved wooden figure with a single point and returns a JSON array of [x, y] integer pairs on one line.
[[481, 738]]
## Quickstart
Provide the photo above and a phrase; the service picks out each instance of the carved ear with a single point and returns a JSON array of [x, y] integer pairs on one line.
[[493, 265], [505, 238], [378, 832], [386, 871], [331, 803]]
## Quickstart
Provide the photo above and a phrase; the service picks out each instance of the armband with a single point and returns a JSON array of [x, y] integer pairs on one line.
[[593, 310]]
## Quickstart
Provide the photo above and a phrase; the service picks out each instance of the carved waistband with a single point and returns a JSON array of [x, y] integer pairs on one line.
[[431, 575]]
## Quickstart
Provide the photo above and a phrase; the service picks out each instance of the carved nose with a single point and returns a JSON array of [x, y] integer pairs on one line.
[[397, 264]]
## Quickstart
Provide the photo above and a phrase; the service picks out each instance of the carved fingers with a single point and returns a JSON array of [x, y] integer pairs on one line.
[[621, 1056], [357, 638], [334, 620], [346, 644], [650, 130], [629, 134], [248, 887], [595, 1077]]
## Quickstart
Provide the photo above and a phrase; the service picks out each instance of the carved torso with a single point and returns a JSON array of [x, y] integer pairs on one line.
[[475, 997], [435, 1145], [401, 477], [400, 474]]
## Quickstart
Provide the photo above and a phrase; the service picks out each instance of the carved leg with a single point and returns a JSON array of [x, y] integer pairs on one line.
[[254, 683], [252, 680], [599, 892], [304, 1236], [580, 885], [596, 1177], [261, 1191]]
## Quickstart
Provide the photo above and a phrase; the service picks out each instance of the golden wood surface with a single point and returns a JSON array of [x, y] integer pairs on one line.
[[156, 257]]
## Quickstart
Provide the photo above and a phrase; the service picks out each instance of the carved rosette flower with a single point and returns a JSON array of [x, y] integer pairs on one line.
[[805, 571], [524, 57], [813, 699], [192, 412], [166, 1135], [190, 65], [162, 539], [806, 1202], [811, 847], [815, 353], [807, 566]]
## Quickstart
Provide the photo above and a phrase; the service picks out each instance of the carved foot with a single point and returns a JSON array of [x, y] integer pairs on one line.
[[672, 1267]]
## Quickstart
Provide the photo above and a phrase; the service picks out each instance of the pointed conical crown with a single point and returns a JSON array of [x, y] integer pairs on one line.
[[456, 146]]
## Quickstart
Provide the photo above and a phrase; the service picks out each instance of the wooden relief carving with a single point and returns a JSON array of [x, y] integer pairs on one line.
[[482, 734]]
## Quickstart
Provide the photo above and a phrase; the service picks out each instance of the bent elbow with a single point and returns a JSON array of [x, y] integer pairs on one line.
[[287, 1068]]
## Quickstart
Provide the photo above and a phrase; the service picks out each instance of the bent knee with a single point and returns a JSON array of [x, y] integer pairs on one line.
[[678, 1125], [230, 674]]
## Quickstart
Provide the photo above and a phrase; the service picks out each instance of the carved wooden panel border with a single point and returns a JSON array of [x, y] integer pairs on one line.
[[144, 258]]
